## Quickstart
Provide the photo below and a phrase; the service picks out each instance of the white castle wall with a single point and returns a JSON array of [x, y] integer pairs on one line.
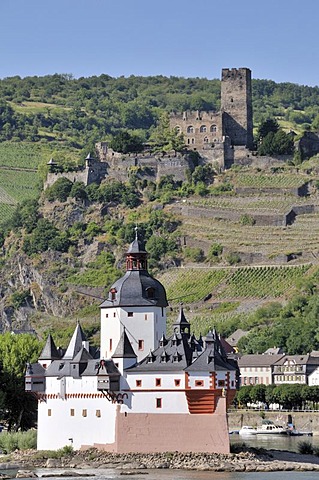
[[147, 324], [57, 426]]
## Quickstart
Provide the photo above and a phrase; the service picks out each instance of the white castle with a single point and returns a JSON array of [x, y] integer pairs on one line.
[[144, 392]]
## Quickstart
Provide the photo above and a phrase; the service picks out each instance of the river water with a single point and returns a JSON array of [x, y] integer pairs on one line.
[[109, 474], [276, 442]]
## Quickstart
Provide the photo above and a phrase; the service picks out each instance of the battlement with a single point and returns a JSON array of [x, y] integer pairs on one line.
[[235, 73], [194, 116]]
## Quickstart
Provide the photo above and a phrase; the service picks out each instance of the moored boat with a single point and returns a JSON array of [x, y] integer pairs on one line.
[[270, 428], [247, 430]]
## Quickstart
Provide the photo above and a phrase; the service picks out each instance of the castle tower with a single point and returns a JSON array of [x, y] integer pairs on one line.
[[236, 106], [137, 303]]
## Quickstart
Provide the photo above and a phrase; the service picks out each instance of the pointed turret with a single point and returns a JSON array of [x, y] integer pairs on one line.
[[181, 325], [78, 341], [49, 353]]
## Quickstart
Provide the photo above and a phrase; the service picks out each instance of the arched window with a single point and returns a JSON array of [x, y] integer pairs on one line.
[[113, 293], [193, 141], [213, 128], [205, 140], [190, 129], [203, 129], [178, 129], [150, 292]]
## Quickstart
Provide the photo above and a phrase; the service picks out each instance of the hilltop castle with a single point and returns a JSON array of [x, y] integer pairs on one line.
[[143, 392], [227, 135], [221, 138]]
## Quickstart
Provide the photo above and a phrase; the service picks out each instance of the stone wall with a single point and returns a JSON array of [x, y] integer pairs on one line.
[[236, 105], [199, 128], [150, 433]]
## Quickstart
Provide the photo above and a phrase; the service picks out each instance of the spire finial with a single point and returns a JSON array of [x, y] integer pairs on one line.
[[136, 230]]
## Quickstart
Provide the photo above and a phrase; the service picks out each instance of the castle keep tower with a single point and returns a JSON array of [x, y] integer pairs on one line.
[[236, 106]]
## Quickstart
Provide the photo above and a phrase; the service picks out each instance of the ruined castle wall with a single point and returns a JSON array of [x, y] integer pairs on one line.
[[80, 176], [199, 128]]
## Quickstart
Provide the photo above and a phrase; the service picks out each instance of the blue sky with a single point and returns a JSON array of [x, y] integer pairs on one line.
[[276, 39]]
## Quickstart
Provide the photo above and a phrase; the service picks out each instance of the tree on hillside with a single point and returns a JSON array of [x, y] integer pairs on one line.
[[60, 190], [164, 139], [124, 142], [267, 126], [17, 408]]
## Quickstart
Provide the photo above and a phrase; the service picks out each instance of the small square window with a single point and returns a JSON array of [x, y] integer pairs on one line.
[[158, 403], [145, 316], [138, 383], [98, 413], [199, 383], [141, 344], [130, 314], [111, 344], [221, 383], [72, 412], [177, 382], [158, 382], [84, 413], [114, 314], [106, 315], [49, 412]]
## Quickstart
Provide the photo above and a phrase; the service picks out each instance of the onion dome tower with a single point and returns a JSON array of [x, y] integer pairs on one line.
[[136, 302]]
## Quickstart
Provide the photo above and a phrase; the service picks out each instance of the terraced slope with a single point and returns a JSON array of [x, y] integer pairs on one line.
[[214, 295], [269, 241]]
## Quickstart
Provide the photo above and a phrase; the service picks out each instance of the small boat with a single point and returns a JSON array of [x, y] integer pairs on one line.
[[247, 430], [293, 432], [270, 428]]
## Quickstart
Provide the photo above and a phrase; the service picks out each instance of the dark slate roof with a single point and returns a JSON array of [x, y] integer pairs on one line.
[[107, 367], [124, 348], [49, 352], [174, 354], [210, 361], [181, 321], [136, 246], [76, 343], [82, 357], [35, 369], [213, 357], [88, 366], [132, 290]]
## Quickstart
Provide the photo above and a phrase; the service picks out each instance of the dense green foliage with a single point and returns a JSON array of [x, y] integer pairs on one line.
[[294, 327], [287, 396], [9, 442], [17, 408], [123, 142], [90, 109]]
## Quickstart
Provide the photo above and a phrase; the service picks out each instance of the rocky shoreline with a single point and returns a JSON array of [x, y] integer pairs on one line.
[[250, 460]]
